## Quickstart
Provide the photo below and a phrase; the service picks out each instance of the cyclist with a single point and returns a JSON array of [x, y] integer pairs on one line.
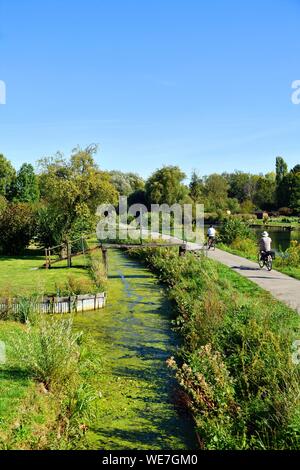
[[265, 244], [211, 236]]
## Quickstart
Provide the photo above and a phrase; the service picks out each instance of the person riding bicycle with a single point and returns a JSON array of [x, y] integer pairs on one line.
[[211, 235], [265, 245]]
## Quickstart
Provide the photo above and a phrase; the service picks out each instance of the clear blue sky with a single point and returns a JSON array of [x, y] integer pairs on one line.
[[201, 84]]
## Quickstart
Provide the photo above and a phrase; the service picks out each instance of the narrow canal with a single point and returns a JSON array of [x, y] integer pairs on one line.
[[134, 339]]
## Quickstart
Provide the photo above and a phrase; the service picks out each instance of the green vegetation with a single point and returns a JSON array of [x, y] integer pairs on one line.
[[45, 405], [235, 367], [114, 389], [21, 276]]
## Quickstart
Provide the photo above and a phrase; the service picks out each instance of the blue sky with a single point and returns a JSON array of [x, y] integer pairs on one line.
[[201, 84]]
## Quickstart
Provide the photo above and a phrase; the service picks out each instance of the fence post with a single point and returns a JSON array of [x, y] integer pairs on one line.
[[46, 259], [69, 254]]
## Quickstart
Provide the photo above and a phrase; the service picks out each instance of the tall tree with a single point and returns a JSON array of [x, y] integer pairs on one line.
[[126, 183], [25, 187], [7, 176], [196, 187], [281, 170], [165, 186], [72, 190]]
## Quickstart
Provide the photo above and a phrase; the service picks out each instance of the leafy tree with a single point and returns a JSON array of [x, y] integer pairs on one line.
[[25, 188], [196, 187], [7, 176], [265, 194], [281, 170], [17, 227], [215, 192], [296, 169], [241, 185], [126, 183], [165, 186], [72, 190]]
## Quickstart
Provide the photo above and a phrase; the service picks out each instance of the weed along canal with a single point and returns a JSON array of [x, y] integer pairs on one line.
[[133, 339]]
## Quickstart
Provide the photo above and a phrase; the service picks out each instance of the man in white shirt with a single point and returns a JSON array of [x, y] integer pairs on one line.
[[211, 235]]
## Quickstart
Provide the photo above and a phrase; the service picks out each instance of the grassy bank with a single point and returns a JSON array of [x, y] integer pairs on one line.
[[46, 399], [235, 368]]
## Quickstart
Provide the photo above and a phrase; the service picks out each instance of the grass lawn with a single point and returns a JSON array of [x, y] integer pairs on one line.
[[14, 384], [25, 275]]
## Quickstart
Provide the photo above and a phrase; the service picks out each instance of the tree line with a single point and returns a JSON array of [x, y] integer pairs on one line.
[[57, 200]]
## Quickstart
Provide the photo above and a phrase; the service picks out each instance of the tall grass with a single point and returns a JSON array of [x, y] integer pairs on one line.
[[49, 351], [236, 366]]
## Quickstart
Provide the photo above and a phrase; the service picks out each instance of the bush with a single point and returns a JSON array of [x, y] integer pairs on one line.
[[17, 227], [235, 366], [75, 286], [246, 246], [234, 228], [291, 257], [49, 351]]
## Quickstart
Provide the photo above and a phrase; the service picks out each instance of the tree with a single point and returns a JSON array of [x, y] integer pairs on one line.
[[288, 192], [25, 187], [216, 192], [72, 190], [126, 183], [7, 176], [17, 227], [265, 194], [196, 187], [296, 169], [165, 186], [241, 185], [281, 170]]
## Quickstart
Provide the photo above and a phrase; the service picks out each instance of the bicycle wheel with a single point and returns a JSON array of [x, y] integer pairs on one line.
[[269, 263], [261, 262]]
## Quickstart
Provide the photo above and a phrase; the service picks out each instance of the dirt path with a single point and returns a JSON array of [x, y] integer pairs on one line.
[[135, 338]]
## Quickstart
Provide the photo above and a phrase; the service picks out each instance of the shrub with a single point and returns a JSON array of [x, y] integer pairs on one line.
[[75, 286], [49, 351], [246, 246], [17, 227], [235, 366], [234, 228]]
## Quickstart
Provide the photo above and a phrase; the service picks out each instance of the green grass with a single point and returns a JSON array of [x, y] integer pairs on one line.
[[14, 383], [25, 275]]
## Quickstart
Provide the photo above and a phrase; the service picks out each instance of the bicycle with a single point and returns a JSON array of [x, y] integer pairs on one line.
[[211, 243], [265, 259]]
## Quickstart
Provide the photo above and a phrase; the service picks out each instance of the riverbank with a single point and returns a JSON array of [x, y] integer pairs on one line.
[[235, 368]]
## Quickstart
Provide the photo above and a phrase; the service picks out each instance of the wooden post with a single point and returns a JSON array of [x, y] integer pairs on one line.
[[69, 254], [46, 259], [105, 258]]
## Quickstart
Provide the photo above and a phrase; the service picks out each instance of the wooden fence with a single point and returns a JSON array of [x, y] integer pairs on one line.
[[78, 303]]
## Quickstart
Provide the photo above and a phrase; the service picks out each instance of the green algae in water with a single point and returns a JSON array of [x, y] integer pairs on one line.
[[133, 339]]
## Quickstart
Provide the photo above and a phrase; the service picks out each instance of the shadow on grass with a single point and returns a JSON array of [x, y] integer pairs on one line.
[[14, 374]]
